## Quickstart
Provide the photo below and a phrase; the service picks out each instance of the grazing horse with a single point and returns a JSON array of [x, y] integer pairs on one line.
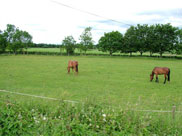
[[73, 65], [160, 71]]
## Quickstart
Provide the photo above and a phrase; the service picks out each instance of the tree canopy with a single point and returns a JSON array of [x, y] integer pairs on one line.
[[15, 39], [70, 44], [3, 43], [86, 41], [111, 42]]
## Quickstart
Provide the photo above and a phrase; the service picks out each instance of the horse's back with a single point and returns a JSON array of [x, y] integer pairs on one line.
[[72, 63], [161, 70]]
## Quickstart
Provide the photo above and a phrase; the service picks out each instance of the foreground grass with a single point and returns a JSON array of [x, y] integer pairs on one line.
[[88, 119]]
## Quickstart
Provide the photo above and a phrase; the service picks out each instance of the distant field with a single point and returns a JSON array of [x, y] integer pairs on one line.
[[94, 52], [112, 81], [57, 50], [44, 49]]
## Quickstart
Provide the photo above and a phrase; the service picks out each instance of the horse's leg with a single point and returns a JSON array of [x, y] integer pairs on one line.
[[75, 69], [165, 78], [157, 80]]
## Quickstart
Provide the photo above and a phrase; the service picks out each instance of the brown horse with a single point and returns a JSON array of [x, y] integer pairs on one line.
[[160, 71], [73, 65]]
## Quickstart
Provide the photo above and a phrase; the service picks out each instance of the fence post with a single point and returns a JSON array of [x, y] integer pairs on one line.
[[173, 111]]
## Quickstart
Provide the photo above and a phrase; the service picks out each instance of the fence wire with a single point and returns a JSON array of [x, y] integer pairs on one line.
[[70, 101]]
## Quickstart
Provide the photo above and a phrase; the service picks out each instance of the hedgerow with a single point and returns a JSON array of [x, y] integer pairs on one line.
[[87, 119]]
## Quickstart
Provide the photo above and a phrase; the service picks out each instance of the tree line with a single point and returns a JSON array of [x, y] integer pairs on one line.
[[158, 38], [45, 45]]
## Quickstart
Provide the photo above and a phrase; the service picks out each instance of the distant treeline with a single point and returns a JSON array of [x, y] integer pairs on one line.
[[44, 45], [158, 38]]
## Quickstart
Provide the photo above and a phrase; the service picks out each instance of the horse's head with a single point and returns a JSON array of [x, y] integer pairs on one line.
[[151, 77]]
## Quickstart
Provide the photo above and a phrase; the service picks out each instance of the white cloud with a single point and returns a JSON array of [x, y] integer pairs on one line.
[[49, 22]]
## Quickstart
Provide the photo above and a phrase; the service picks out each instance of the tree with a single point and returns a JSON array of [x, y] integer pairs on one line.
[[151, 46], [3, 42], [70, 44], [178, 46], [141, 38], [11, 33], [130, 39], [26, 39], [111, 42], [17, 39], [165, 38], [86, 41]]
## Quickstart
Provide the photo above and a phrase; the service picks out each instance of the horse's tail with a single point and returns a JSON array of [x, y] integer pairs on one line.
[[168, 75]]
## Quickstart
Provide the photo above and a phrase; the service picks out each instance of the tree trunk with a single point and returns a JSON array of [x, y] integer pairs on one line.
[[141, 53], [130, 53], [150, 54], [161, 54], [110, 53]]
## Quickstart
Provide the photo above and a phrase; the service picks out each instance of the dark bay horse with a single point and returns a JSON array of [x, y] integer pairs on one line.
[[73, 65], [160, 71]]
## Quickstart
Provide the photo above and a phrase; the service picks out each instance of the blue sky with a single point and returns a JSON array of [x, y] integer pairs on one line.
[[49, 22]]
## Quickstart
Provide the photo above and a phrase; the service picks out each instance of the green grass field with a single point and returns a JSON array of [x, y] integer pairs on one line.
[[57, 50], [113, 81], [95, 52]]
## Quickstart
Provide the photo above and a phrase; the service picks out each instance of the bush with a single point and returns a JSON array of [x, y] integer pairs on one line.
[[87, 119]]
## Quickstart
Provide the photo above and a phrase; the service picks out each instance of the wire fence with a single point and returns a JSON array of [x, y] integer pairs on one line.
[[173, 111]]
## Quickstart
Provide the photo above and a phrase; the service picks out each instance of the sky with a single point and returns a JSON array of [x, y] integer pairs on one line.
[[48, 21]]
